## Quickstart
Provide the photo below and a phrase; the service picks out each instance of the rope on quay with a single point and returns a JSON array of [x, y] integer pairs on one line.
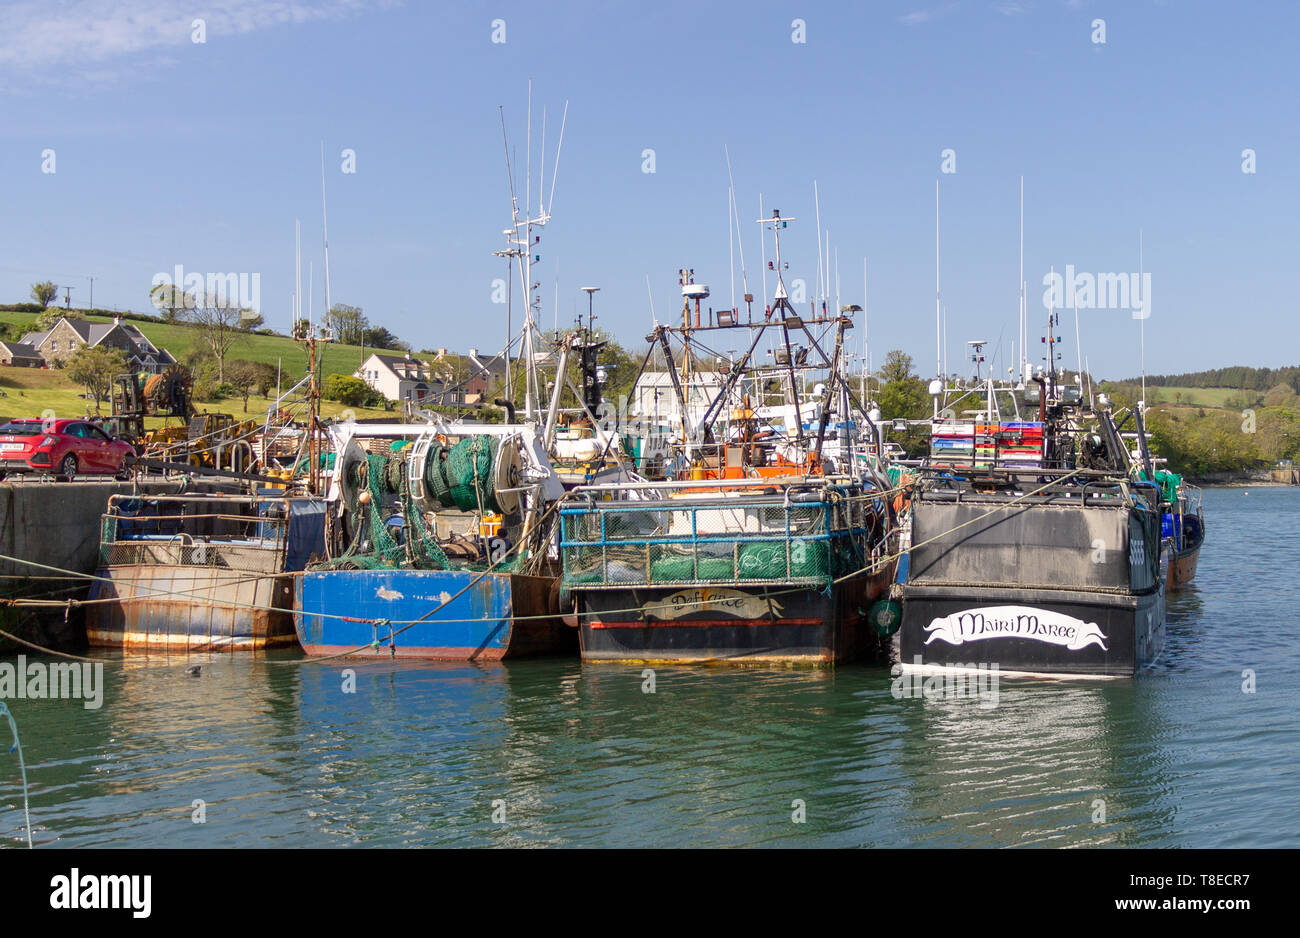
[[22, 765]]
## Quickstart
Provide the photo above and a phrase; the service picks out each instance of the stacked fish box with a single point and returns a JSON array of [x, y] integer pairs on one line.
[[1019, 443], [971, 443]]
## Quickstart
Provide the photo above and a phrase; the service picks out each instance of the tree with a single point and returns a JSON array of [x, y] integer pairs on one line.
[[48, 319], [44, 292], [346, 389], [903, 396], [243, 376], [348, 323], [172, 302], [94, 369], [218, 323], [380, 338], [250, 319]]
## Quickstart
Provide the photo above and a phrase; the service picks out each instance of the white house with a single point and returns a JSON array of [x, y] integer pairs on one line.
[[399, 378], [654, 395]]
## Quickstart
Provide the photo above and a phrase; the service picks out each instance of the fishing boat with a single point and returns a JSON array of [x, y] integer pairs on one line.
[[1183, 525], [439, 546], [759, 548], [201, 573], [1034, 546], [1182, 519], [443, 531]]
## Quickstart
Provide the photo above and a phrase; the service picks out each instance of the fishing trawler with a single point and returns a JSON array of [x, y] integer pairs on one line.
[[442, 541], [759, 548], [1182, 519], [1034, 546], [439, 546], [201, 572]]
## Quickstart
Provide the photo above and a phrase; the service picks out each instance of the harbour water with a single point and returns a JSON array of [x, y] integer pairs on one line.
[[274, 752]]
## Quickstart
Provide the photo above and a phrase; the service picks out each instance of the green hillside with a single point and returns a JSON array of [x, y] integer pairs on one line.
[[27, 392], [180, 340]]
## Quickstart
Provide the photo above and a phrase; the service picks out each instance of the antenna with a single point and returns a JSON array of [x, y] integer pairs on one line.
[[528, 156], [938, 317], [1077, 341], [297, 272], [1142, 328], [325, 232], [731, 250], [866, 331], [650, 294], [821, 282], [762, 243], [1020, 336], [563, 118]]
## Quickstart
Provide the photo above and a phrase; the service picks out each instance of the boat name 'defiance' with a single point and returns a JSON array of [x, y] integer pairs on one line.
[[76, 891], [733, 602], [1042, 625]]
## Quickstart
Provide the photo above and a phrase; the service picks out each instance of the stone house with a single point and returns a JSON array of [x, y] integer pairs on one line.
[[68, 335]]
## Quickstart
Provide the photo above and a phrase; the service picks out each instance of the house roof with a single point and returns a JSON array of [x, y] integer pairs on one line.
[[401, 366], [21, 350], [93, 333]]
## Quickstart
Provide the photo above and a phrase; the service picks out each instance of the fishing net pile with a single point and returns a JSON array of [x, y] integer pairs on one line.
[[387, 529]]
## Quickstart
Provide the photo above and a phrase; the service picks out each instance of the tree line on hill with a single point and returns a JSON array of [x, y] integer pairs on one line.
[[1241, 377]]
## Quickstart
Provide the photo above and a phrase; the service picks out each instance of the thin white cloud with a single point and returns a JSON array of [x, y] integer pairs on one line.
[[101, 41], [920, 17]]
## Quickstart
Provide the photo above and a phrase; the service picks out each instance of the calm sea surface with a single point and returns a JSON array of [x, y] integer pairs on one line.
[[425, 755]]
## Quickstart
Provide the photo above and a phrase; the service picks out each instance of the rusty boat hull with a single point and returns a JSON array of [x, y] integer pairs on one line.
[[184, 608], [1182, 567], [437, 615]]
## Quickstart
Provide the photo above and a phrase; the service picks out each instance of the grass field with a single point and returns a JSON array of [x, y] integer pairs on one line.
[[1201, 397], [27, 392], [180, 340]]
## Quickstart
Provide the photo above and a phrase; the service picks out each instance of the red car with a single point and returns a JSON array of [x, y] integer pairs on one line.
[[61, 447]]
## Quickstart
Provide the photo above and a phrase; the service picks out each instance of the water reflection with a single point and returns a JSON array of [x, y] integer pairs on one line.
[[284, 752]]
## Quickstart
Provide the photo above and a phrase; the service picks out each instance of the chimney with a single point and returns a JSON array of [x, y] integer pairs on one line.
[[117, 320]]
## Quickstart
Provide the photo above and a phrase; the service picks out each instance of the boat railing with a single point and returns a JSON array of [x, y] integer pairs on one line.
[[754, 539], [241, 533]]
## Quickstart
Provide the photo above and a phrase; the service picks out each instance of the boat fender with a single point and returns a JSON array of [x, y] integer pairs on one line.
[[886, 616], [560, 602]]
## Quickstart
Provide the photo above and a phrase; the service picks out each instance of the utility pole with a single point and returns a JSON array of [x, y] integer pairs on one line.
[[67, 297]]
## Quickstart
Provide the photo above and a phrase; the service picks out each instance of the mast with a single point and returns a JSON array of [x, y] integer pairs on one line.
[[522, 242], [325, 234], [762, 243], [297, 272], [1020, 336], [821, 282], [1142, 328], [938, 317]]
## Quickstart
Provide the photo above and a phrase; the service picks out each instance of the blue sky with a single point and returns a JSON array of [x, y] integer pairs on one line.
[[170, 152]]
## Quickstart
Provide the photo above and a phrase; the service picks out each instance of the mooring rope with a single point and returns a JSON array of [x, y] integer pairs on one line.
[[22, 765]]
